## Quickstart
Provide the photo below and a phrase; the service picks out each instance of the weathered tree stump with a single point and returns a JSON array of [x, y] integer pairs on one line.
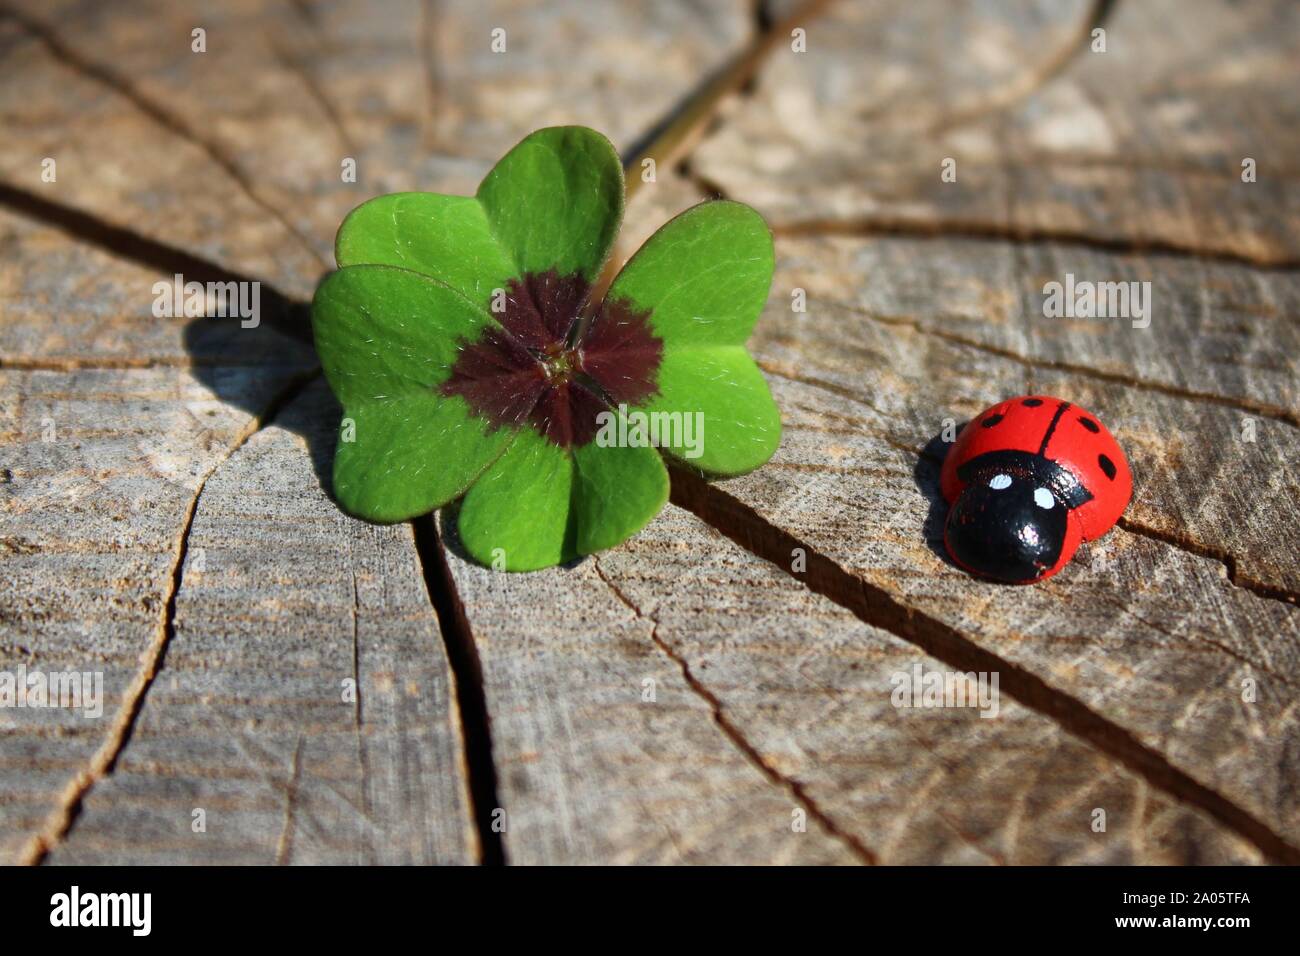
[[283, 683]]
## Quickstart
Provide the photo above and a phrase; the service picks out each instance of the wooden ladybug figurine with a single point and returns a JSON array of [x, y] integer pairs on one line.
[[1028, 480]]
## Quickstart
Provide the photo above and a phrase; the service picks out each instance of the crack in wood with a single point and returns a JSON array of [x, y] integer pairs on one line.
[[307, 13], [1033, 80], [1183, 542], [291, 62], [1126, 608], [471, 698], [289, 316], [1263, 409], [1178, 542], [284, 848], [677, 133], [890, 227], [706, 186], [106, 76], [432, 77], [736, 736], [358, 712], [670, 140], [874, 605], [104, 761]]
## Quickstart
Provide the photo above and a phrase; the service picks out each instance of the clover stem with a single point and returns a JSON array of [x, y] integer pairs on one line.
[[595, 298]]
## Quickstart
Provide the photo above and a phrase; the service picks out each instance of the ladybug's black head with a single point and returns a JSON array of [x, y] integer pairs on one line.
[[1010, 521]]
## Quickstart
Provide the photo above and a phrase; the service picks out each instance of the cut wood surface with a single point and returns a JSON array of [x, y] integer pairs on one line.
[[285, 684], [707, 701], [239, 150], [1137, 144], [305, 706]]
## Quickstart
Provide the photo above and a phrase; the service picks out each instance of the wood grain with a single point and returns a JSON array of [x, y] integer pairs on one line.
[[164, 499], [112, 421], [305, 701], [239, 148], [942, 328], [93, 523], [1141, 145], [772, 704], [73, 301], [1117, 633], [1222, 332]]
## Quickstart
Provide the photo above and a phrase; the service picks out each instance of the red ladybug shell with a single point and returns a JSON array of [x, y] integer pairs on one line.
[[1062, 433]]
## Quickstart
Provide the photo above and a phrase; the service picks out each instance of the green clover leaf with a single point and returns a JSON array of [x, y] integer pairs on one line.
[[459, 338]]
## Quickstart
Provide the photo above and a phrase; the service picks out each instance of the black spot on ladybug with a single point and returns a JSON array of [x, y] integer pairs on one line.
[[1089, 424], [991, 421], [1107, 466], [1032, 402]]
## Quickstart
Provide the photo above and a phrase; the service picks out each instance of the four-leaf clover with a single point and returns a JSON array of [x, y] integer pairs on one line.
[[459, 337]]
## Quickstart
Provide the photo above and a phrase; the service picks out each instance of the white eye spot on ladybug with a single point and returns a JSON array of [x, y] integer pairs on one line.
[[998, 482], [1043, 498]]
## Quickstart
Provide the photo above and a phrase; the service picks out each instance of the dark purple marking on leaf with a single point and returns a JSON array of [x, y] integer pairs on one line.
[[559, 299], [498, 377], [525, 370], [541, 308], [566, 413], [622, 353]]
